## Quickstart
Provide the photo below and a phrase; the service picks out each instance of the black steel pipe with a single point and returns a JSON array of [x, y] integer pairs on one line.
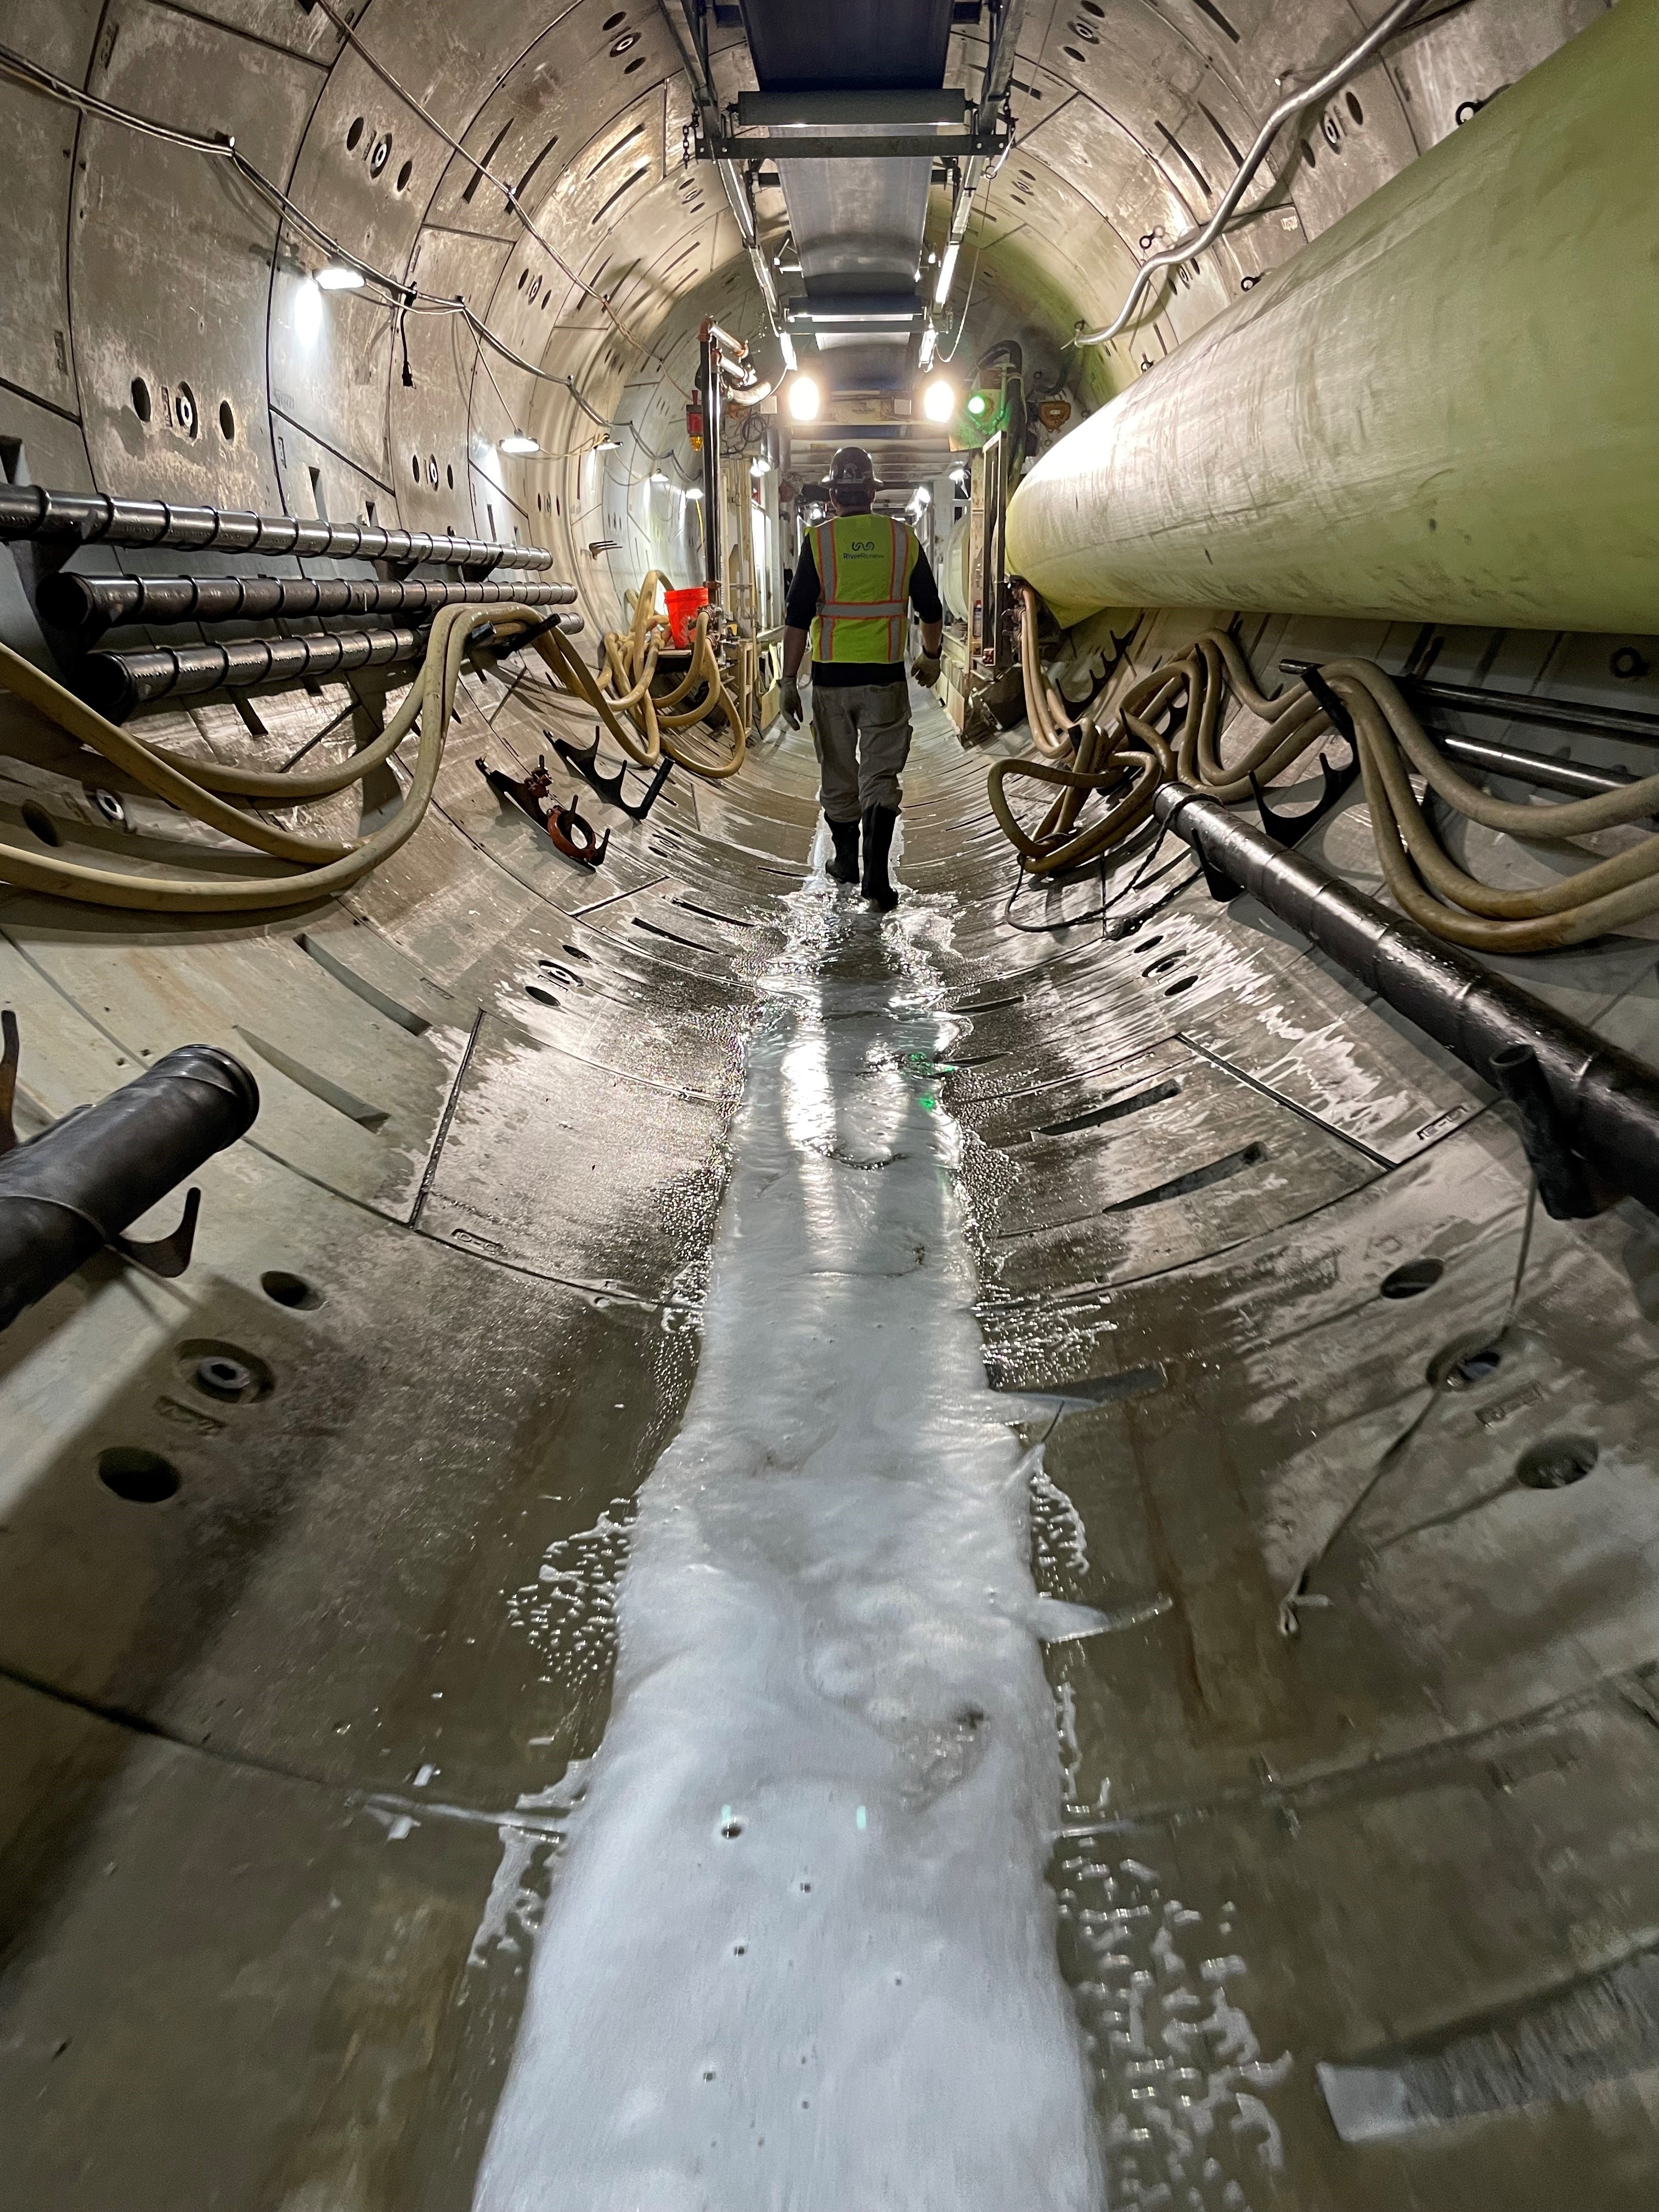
[[1521, 706], [92, 604], [69, 519], [1532, 768], [1606, 1101], [116, 683], [79, 1184]]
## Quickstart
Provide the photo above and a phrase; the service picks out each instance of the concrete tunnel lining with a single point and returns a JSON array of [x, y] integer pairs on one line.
[[328, 1801]]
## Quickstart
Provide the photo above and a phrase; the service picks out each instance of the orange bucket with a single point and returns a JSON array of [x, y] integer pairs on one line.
[[683, 608]]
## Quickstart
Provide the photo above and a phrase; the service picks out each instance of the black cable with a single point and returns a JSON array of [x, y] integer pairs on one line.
[[408, 298]]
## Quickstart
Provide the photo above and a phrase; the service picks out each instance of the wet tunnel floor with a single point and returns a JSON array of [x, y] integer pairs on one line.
[[800, 1951], [817, 1733]]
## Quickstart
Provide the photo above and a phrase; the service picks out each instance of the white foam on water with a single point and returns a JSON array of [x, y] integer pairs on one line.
[[800, 1952]]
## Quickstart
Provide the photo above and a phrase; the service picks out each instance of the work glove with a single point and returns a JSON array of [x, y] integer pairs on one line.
[[789, 697], [925, 669]]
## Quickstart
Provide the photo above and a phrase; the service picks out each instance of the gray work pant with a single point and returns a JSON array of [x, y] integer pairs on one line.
[[861, 735]]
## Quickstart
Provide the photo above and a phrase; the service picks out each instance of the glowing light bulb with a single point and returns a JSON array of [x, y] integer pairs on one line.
[[307, 311], [340, 276], [977, 403], [939, 401], [804, 399], [517, 442]]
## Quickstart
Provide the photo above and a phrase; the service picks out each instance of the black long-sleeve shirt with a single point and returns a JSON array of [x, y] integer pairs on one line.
[[841, 675]]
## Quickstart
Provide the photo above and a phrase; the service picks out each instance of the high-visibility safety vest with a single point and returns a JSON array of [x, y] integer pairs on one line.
[[864, 563]]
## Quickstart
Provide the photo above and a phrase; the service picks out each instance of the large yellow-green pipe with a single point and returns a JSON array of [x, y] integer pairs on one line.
[[1446, 407]]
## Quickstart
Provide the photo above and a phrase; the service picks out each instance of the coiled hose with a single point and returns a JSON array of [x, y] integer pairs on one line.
[[1125, 761], [663, 722], [203, 789]]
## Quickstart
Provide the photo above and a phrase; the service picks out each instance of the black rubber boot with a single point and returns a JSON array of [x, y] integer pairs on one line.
[[878, 825], [844, 868]]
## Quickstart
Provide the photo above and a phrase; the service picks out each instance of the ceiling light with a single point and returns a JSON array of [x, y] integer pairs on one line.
[[804, 399], [609, 446], [759, 468], [517, 442], [947, 269], [694, 491], [939, 400], [340, 276], [656, 477]]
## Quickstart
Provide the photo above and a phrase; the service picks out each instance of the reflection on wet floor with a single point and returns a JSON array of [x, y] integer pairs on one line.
[[800, 1950]]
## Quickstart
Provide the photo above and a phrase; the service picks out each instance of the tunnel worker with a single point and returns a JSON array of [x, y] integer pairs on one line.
[[859, 575]]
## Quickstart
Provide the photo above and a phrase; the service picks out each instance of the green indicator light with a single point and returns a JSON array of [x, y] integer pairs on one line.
[[928, 1104]]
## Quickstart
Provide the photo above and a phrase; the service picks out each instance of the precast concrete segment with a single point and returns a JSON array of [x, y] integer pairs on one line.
[[1441, 409], [801, 1953]]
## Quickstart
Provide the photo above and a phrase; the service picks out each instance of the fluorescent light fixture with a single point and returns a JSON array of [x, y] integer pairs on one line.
[[929, 342], [947, 269], [340, 276], [517, 442], [939, 401], [805, 399], [788, 345]]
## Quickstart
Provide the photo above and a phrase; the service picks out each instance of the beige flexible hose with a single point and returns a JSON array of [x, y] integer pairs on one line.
[[660, 724], [1425, 881], [1051, 730], [327, 865]]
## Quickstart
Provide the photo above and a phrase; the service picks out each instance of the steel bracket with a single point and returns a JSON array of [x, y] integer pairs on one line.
[[168, 1255], [610, 787], [567, 830], [1569, 1186]]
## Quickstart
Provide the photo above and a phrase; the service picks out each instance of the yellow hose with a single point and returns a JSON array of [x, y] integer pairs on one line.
[[1422, 876]]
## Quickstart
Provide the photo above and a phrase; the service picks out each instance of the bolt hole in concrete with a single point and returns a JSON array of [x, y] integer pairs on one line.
[[39, 823], [1556, 1463], [227, 422], [141, 406], [1186, 983], [142, 1478], [223, 1371], [290, 1290], [1460, 1366], [1411, 1280], [542, 998]]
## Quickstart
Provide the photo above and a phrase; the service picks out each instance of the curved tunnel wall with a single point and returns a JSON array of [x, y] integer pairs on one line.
[[1406, 421], [285, 1796]]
